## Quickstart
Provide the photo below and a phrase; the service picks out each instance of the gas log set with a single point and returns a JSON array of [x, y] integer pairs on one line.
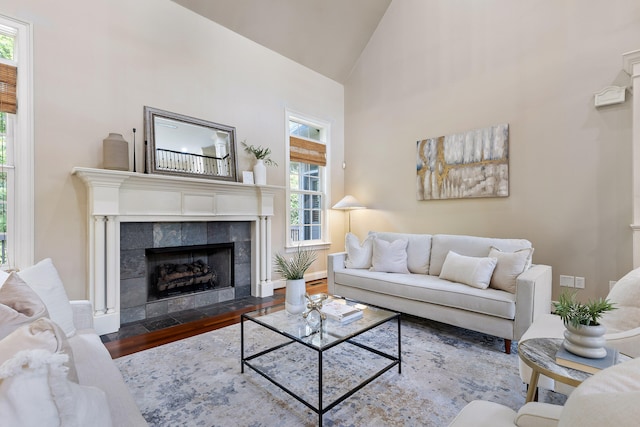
[[179, 278]]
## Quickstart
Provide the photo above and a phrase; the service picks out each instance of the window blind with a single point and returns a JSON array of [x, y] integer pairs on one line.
[[302, 150], [8, 80]]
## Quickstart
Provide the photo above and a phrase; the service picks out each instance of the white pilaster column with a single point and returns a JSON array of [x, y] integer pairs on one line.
[[111, 262], [631, 61], [99, 244]]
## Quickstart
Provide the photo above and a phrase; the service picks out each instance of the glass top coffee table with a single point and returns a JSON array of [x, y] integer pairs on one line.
[[296, 336]]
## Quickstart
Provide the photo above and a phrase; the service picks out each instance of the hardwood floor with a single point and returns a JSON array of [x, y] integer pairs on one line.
[[129, 345]]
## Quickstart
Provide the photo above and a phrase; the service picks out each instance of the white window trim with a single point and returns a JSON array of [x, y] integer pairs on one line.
[[20, 214], [290, 246]]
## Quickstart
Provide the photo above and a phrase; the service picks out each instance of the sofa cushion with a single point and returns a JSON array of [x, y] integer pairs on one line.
[[509, 266], [418, 249], [472, 271], [35, 391], [358, 254], [441, 244], [625, 297], [44, 279], [427, 288], [19, 305], [389, 257]]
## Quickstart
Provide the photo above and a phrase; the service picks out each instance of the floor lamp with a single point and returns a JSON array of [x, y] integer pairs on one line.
[[348, 203]]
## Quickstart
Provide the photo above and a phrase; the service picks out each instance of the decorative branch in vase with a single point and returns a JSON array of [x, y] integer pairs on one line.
[[263, 159]]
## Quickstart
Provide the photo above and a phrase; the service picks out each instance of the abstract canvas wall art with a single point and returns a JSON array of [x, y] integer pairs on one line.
[[464, 165]]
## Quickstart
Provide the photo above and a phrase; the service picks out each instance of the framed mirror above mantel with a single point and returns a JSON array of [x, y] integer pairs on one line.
[[186, 146]]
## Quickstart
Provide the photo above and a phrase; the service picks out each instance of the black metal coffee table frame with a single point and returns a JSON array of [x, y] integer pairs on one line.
[[321, 409]]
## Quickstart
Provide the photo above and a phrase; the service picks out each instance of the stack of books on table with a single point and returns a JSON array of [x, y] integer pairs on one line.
[[570, 360], [338, 310]]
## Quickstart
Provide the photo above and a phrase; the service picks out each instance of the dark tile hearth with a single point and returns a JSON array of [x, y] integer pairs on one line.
[[180, 317]]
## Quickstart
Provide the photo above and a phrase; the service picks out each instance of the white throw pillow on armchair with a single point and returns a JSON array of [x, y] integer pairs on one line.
[[44, 279]]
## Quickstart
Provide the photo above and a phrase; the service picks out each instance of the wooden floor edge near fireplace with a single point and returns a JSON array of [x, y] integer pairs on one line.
[[130, 345]]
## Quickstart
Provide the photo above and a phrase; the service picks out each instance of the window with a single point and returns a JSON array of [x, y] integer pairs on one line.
[[16, 144], [307, 181]]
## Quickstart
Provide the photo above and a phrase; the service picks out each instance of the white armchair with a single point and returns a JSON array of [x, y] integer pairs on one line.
[[623, 327], [609, 398]]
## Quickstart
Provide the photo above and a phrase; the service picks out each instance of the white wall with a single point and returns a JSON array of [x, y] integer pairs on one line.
[[436, 67], [98, 62]]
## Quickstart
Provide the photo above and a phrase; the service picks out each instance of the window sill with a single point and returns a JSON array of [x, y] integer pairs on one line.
[[317, 246]]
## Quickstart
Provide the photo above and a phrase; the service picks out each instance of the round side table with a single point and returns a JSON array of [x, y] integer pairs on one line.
[[540, 355]]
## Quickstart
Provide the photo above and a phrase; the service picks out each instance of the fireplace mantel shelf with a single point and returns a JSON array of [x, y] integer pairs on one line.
[[114, 197], [116, 178]]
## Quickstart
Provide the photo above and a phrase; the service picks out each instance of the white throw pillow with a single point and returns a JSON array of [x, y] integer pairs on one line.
[[418, 248], [510, 265], [358, 254], [472, 271], [389, 257], [45, 280], [34, 391]]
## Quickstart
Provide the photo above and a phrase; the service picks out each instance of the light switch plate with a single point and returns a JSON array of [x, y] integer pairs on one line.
[[566, 281]]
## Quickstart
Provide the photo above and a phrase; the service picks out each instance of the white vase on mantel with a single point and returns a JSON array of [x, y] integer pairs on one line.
[[260, 173]]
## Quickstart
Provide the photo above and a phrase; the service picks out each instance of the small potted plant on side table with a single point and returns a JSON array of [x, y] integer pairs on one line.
[[263, 159], [293, 270], [584, 335]]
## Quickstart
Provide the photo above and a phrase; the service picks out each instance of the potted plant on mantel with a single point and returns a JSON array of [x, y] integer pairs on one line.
[[263, 159], [584, 335], [293, 270]]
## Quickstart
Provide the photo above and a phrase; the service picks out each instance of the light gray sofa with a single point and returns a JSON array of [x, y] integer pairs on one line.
[[421, 291]]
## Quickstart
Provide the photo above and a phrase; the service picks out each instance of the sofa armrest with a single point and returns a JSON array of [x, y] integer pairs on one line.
[[335, 262], [539, 415], [533, 297], [82, 314]]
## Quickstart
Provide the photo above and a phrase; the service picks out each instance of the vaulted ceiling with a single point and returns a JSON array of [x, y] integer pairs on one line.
[[324, 35]]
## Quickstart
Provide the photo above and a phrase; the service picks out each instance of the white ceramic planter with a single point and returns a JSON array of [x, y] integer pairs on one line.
[[295, 301], [260, 173], [585, 341]]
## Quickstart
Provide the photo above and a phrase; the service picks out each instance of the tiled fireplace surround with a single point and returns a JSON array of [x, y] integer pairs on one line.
[[120, 201], [137, 301]]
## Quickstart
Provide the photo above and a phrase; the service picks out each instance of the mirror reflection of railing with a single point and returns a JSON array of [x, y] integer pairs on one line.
[[187, 146], [177, 161]]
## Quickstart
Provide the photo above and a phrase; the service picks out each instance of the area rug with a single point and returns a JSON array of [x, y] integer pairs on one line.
[[197, 381]]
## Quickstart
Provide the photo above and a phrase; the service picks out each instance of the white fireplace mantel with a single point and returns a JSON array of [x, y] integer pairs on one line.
[[114, 197]]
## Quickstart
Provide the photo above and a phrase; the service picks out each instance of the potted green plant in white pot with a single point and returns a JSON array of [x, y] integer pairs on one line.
[[263, 159], [293, 269], [584, 335]]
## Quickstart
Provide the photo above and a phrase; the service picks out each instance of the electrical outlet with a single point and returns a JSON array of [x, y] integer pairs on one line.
[[612, 284], [579, 282], [566, 281]]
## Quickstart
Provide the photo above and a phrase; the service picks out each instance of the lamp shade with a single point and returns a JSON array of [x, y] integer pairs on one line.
[[348, 203]]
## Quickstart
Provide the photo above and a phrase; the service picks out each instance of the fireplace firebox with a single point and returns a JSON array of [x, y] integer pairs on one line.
[[186, 269]]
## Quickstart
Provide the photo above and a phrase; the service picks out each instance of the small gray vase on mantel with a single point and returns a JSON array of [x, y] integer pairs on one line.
[[115, 152]]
